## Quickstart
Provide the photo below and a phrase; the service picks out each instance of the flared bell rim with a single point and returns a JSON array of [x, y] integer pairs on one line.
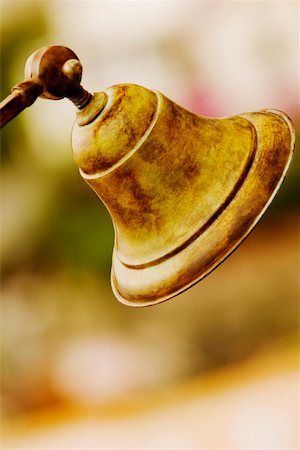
[[151, 285]]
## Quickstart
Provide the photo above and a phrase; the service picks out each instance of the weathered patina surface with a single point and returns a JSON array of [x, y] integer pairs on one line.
[[183, 190]]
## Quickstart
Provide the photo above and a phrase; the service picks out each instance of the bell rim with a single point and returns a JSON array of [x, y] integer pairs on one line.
[[137, 300]]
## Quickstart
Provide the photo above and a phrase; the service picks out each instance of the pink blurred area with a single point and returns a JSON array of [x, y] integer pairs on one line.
[[216, 367]]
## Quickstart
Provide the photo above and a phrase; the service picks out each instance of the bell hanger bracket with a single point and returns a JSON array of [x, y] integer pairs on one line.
[[53, 73]]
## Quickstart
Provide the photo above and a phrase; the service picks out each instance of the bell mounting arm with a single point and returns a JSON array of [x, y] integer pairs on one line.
[[51, 72]]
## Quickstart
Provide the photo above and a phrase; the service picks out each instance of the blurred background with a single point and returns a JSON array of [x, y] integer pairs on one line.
[[216, 367]]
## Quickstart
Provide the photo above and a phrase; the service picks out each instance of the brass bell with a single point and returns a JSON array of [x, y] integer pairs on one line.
[[183, 190]]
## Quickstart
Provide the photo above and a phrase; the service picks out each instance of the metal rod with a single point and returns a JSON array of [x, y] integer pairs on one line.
[[80, 98], [23, 95]]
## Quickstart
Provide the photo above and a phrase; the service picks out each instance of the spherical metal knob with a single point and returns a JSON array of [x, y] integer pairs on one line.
[[57, 69]]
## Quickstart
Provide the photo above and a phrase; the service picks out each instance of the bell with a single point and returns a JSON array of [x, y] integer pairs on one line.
[[183, 190]]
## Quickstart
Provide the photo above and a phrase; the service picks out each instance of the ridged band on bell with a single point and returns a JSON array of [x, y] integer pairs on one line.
[[183, 190]]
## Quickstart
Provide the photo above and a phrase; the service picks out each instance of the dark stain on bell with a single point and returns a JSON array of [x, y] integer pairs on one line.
[[114, 108], [128, 201]]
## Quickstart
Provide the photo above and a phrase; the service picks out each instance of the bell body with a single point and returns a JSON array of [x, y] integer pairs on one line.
[[183, 190]]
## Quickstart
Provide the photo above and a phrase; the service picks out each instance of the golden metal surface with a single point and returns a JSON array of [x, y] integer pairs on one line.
[[183, 190]]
